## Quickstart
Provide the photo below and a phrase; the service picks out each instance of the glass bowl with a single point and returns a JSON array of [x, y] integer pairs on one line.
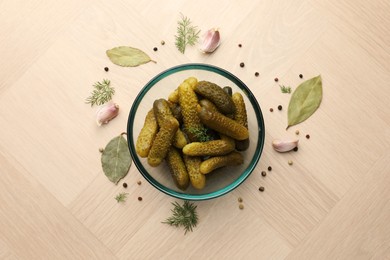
[[221, 181]]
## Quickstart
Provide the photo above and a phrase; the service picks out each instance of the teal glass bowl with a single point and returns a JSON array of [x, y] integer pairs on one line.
[[222, 180]]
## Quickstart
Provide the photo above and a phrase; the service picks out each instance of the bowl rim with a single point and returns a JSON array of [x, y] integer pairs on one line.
[[245, 90]]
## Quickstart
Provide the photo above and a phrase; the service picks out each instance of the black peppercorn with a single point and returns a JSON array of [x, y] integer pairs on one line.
[[307, 136], [269, 168], [295, 149], [106, 68], [280, 107], [300, 75], [240, 45], [124, 185], [140, 198], [271, 109], [261, 188], [242, 64], [276, 79], [256, 74], [263, 173], [155, 49]]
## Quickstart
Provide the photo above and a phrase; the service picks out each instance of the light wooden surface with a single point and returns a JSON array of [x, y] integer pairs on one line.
[[332, 203]]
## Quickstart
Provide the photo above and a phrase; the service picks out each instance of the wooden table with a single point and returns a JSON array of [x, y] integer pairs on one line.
[[332, 203]]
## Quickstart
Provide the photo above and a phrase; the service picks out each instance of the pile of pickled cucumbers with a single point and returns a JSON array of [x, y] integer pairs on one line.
[[199, 128]]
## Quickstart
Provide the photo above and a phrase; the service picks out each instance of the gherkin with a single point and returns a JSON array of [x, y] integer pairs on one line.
[[217, 95], [189, 103]]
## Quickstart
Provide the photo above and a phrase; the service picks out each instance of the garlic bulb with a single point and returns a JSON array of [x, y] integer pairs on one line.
[[284, 145], [106, 112], [211, 41]]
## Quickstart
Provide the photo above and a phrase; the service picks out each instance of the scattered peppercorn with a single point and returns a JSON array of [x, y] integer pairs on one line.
[[280, 107], [261, 188], [139, 198], [124, 185], [242, 64], [269, 168], [139, 182], [257, 74], [307, 136], [162, 42], [300, 75], [239, 199], [295, 149], [290, 162], [241, 206], [297, 132], [106, 68], [263, 173], [271, 109], [101, 150], [155, 49], [276, 79], [240, 45]]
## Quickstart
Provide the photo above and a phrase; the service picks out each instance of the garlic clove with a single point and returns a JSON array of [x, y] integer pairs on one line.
[[107, 112], [284, 145], [211, 41]]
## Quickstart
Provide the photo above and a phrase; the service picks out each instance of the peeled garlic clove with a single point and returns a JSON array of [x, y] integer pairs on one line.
[[284, 145], [106, 112], [211, 41]]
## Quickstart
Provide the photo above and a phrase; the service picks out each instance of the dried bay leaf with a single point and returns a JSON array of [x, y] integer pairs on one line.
[[304, 101], [126, 56], [116, 159]]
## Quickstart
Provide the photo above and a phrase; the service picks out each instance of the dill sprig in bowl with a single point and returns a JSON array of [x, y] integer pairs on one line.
[[220, 181]]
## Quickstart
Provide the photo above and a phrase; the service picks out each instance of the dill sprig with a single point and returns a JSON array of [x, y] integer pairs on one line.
[[101, 94], [121, 197], [187, 34], [285, 89], [200, 134], [183, 216]]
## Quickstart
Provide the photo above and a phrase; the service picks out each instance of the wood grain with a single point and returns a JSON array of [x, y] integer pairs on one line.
[[332, 203], [362, 232], [34, 224]]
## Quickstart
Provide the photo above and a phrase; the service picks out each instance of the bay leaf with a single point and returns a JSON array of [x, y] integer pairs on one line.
[[304, 101], [126, 56], [116, 159]]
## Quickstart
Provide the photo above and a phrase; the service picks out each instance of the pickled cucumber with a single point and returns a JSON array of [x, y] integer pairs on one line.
[[162, 141], [231, 159], [176, 111], [197, 179], [177, 168], [210, 148], [208, 104], [228, 90], [222, 124], [188, 103], [180, 139], [163, 111], [146, 136], [240, 116], [174, 96], [217, 95]]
